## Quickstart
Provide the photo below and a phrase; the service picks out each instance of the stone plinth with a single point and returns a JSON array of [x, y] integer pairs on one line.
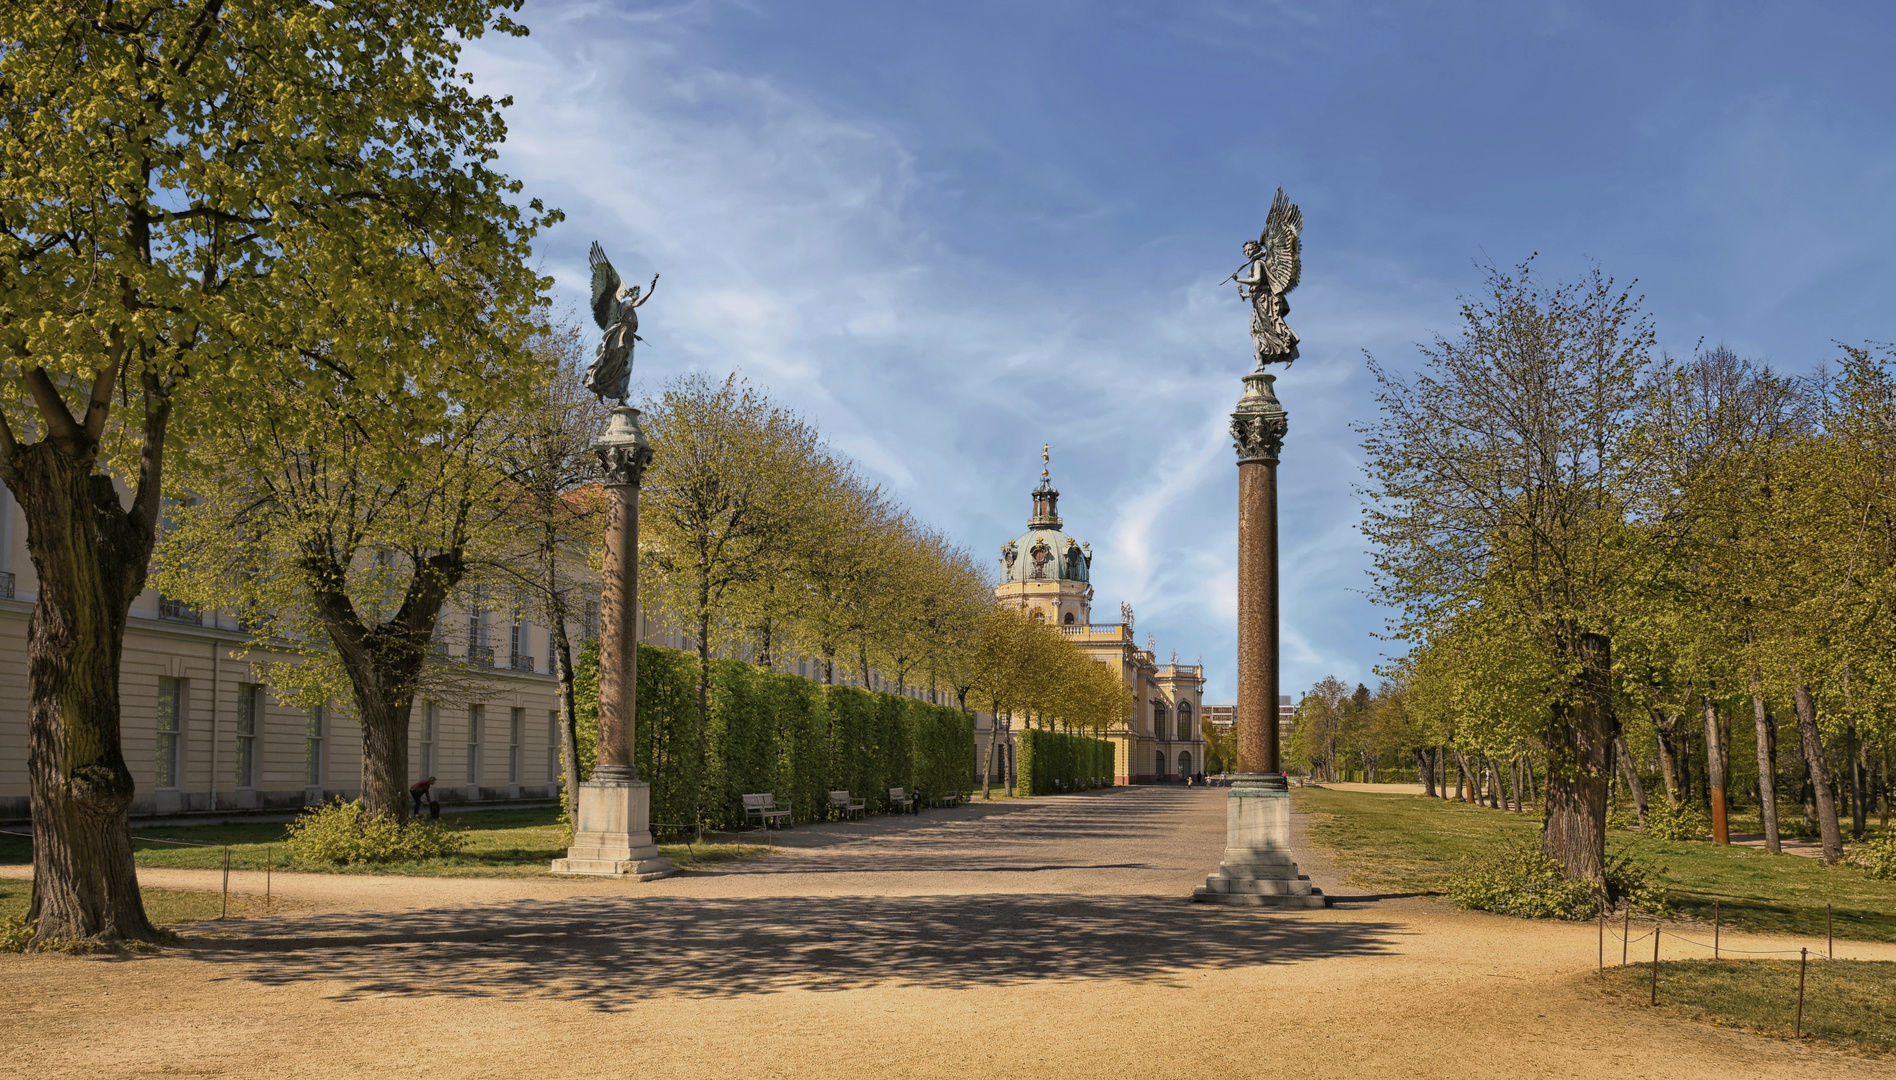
[[1257, 869], [612, 833]]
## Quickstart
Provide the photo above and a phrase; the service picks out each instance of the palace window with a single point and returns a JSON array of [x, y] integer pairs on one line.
[[170, 731], [553, 747], [249, 706], [313, 747], [515, 722], [476, 715], [1184, 720], [430, 718]]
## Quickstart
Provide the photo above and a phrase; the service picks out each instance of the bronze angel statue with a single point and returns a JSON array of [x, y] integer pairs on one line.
[[1276, 262], [616, 310]]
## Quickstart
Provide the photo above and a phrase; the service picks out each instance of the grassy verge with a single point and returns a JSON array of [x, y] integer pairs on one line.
[[501, 843], [1407, 843], [1848, 1003], [165, 907]]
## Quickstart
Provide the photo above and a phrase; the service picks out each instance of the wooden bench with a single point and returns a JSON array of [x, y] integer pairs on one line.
[[950, 798], [841, 800], [900, 800], [764, 809]]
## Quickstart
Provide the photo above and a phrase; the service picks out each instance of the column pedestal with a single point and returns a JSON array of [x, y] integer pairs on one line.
[[1257, 869], [612, 833]]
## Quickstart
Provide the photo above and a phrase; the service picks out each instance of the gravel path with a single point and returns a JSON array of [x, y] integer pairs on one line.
[[1033, 938]]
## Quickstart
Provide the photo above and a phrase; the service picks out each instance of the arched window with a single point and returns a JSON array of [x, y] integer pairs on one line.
[[1158, 720], [1184, 720], [1185, 764], [1161, 764], [1039, 615], [1069, 619]]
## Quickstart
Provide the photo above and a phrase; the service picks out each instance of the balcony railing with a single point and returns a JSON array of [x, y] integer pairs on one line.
[[1112, 630], [179, 611], [521, 662], [480, 655], [6, 584]]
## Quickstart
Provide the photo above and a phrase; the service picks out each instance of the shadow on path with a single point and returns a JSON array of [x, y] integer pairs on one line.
[[610, 952]]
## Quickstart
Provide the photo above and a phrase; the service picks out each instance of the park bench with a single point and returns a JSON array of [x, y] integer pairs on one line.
[[763, 808], [950, 799], [840, 800], [900, 800]]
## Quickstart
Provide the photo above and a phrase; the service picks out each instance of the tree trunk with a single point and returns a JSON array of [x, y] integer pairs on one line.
[[1422, 770], [1580, 732], [1625, 760], [563, 672], [1668, 756], [1859, 811], [1819, 776], [1715, 773], [91, 557], [704, 709]]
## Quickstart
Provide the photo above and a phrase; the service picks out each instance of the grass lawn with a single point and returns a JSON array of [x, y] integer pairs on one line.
[[501, 843], [1849, 1003], [1407, 843], [165, 907]]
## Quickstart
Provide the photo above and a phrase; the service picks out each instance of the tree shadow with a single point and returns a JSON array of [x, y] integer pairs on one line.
[[609, 952]]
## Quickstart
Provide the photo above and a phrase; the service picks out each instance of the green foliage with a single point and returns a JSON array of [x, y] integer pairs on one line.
[[341, 833], [1685, 821], [791, 736], [1877, 855], [15, 932], [1074, 760], [1520, 880]]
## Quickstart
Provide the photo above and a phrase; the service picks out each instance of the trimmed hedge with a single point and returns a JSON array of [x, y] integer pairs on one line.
[[1074, 760], [791, 736]]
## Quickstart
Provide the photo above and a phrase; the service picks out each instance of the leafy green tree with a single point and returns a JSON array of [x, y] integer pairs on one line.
[[1505, 477], [202, 200]]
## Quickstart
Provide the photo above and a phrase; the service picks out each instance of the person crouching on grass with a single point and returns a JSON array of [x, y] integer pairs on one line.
[[419, 790]]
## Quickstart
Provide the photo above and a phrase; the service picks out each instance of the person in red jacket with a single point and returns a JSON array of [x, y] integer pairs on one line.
[[419, 789]]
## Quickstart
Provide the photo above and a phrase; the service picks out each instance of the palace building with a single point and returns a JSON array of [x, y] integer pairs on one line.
[[1048, 573]]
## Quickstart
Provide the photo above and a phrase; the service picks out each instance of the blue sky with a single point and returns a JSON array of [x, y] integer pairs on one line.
[[948, 233]]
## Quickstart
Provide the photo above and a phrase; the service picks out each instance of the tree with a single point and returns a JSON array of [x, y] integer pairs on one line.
[[731, 480], [1505, 477], [337, 534], [200, 199]]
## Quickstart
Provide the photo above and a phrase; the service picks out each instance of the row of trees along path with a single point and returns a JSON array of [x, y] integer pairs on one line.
[[1600, 555]]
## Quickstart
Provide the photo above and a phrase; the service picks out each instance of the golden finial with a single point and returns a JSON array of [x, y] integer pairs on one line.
[[1046, 458]]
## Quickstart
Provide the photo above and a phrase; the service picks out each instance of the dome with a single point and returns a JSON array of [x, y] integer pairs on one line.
[[1045, 554]]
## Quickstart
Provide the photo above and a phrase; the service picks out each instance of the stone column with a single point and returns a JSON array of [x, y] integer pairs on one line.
[[1257, 868], [612, 832]]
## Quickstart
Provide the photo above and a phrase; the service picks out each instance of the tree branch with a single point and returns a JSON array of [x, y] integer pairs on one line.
[[52, 407]]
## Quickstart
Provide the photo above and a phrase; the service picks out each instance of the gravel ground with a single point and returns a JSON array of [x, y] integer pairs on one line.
[[1033, 938]]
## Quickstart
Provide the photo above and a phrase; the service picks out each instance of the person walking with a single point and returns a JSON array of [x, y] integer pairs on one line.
[[419, 791]]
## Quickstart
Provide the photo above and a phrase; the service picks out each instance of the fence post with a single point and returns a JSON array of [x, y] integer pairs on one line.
[[1655, 963], [1602, 944], [1626, 934], [1716, 923], [1803, 961], [226, 912], [269, 864], [1830, 930]]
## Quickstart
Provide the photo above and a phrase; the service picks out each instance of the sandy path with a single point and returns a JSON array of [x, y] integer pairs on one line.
[[1039, 939]]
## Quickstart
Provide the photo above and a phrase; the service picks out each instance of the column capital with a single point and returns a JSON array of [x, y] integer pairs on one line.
[[1259, 424], [623, 450]]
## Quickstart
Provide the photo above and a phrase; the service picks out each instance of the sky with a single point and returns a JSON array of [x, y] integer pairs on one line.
[[950, 233]]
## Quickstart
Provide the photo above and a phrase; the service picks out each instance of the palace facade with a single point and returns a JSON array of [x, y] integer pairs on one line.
[[1049, 574]]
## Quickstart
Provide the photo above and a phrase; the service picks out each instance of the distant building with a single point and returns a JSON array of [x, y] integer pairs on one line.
[[1225, 718], [1048, 573]]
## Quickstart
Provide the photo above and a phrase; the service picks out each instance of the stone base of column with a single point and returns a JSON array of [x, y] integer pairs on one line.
[[1257, 870], [612, 833]]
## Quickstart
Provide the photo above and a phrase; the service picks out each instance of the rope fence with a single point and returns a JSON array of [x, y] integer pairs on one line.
[[269, 866], [1718, 950]]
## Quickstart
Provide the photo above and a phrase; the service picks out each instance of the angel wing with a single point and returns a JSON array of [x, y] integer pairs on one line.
[[606, 285], [1283, 251]]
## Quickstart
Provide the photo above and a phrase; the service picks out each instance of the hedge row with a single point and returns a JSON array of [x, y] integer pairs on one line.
[[1074, 760], [791, 736]]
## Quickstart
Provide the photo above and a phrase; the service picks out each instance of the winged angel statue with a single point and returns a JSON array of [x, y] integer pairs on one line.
[[616, 310], [1276, 262]]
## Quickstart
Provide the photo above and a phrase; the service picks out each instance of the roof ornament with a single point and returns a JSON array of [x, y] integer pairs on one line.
[[1046, 460]]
